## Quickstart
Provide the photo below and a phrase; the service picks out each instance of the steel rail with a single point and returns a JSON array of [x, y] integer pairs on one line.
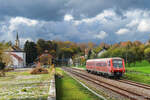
[[145, 86]]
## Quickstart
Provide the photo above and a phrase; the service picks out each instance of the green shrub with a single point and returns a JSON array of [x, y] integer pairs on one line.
[[2, 65], [24, 90]]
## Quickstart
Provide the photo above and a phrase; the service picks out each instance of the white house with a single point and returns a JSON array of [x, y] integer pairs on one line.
[[17, 54], [70, 62], [101, 52]]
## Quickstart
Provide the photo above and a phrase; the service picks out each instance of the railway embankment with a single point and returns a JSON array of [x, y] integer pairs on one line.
[[138, 74], [68, 88]]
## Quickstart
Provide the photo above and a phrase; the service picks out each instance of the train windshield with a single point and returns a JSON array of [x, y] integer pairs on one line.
[[117, 63]]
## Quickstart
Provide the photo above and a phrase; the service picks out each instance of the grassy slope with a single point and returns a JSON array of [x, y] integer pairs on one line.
[[139, 73], [137, 77], [68, 89], [24, 86], [143, 67]]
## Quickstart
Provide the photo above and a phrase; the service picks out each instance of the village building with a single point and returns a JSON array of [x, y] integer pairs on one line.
[[45, 58], [101, 52], [18, 56]]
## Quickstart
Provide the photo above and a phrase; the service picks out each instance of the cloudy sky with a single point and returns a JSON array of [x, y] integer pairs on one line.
[[75, 20]]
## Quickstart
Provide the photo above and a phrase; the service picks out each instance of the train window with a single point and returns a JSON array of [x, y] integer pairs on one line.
[[101, 64], [117, 63], [104, 64], [89, 64], [98, 64], [108, 63]]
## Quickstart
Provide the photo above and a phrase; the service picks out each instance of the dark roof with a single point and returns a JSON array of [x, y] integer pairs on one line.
[[16, 48], [14, 51]]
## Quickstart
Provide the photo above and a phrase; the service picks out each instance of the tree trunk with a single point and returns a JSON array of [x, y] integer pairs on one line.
[[134, 64], [128, 64]]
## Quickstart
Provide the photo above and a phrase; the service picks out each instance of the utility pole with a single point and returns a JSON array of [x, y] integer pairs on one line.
[[126, 57]]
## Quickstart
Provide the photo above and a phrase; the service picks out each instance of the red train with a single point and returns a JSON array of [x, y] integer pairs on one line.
[[107, 66]]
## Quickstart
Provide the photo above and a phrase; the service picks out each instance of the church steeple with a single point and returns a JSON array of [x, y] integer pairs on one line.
[[17, 40]]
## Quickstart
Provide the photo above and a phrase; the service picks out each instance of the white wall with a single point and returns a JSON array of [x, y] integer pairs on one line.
[[16, 63], [22, 55]]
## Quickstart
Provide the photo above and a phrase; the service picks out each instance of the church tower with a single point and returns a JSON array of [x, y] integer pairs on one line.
[[17, 41]]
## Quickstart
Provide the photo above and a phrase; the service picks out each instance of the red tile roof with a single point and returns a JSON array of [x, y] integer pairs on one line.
[[17, 57]]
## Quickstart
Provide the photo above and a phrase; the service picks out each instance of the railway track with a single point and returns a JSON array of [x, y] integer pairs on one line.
[[145, 86], [122, 91], [141, 85]]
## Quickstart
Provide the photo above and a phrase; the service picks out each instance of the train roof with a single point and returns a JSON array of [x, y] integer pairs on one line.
[[103, 59]]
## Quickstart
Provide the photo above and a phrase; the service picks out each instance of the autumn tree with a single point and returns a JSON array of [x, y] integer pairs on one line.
[[137, 43], [83, 46], [41, 46], [91, 45], [104, 45], [5, 59], [67, 52]]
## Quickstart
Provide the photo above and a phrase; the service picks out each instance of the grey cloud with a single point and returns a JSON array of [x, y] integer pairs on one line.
[[90, 8], [56, 9], [49, 15], [34, 9]]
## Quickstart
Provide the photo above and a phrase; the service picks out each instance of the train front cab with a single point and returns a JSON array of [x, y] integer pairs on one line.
[[117, 67]]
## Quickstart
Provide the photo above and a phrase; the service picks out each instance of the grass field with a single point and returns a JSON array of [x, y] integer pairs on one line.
[[68, 89], [142, 67], [142, 78], [24, 86], [139, 73]]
